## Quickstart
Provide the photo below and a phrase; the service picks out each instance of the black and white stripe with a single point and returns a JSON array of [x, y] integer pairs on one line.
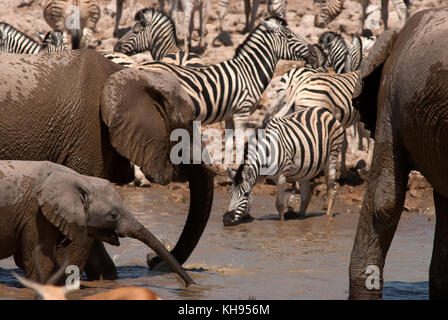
[[57, 13], [328, 12], [15, 41], [155, 32], [231, 89], [297, 147]]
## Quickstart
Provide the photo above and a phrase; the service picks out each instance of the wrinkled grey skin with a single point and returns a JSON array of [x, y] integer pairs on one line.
[[404, 102], [47, 204], [78, 109]]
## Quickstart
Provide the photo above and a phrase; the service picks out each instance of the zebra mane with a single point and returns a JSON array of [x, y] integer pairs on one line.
[[154, 12], [278, 20], [239, 173]]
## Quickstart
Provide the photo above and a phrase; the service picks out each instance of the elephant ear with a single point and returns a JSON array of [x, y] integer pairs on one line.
[[141, 108], [63, 199], [366, 90]]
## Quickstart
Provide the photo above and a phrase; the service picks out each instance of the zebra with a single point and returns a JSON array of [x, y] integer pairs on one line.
[[155, 32], [58, 13], [297, 147], [231, 89], [305, 87], [402, 7], [15, 41], [276, 8], [329, 11]]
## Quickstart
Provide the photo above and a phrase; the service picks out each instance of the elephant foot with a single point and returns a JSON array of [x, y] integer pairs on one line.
[[224, 38]]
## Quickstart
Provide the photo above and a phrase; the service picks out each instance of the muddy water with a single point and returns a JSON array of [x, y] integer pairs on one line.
[[264, 259]]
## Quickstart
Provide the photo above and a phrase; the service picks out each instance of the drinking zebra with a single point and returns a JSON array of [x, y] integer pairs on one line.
[[276, 8], [59, 14], [296, 148], [15, 41], [231, 89], [155, 32]]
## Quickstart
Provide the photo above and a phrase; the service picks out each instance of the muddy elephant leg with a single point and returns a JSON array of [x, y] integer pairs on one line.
[[99, 265], [201, 199], [438, 270], [381, 210], [364, 4]]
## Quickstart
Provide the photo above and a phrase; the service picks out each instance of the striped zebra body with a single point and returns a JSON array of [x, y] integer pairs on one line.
[[305, 88], [328, 12], [296, 148], [336, 49], [119, 58], [15, 41], [401, 6], [155, 32], [58, 13], [231, 89]]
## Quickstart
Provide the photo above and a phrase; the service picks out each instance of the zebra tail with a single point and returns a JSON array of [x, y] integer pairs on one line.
[[276, 108]]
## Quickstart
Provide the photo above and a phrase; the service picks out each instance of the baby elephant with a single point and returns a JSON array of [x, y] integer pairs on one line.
[[46, 204]]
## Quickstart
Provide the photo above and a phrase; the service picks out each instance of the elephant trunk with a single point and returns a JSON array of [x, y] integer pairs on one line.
[[134, 229], [201, 198]]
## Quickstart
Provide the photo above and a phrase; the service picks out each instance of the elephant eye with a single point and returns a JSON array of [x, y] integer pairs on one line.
[[114, 214]]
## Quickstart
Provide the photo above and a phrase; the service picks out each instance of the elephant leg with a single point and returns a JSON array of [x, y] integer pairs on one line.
[[201, 199], [99, 265], [380, 213], [385, 12], [438, 270], [43, 234]]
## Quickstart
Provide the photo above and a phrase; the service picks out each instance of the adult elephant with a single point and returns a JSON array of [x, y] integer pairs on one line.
[[404, 104], [80, 110]]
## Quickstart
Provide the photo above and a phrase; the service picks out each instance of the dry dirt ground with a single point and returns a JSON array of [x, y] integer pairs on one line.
[[26, 15]]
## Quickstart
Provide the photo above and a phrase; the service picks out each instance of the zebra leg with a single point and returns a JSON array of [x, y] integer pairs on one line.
[[118, 16], [131, 10], [247, 13], [222, 12], [280, 201], [385, 12], [330, 175], [188, 26], [305, 196], [202, 25], [364, 4], [86, 37], [253, 17], [344, 147]]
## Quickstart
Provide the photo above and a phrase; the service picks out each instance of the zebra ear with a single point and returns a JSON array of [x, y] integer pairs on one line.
[[271, 26], [231, 173], [39, 36]]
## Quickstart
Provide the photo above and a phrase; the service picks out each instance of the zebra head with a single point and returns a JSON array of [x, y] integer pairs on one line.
[[52, 41], [240, 193], [153, 31], [287, 45]]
